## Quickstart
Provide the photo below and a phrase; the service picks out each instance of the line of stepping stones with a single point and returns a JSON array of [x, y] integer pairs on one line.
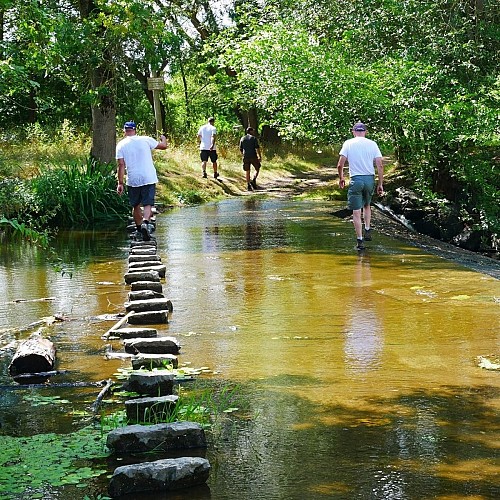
[[147, 305]]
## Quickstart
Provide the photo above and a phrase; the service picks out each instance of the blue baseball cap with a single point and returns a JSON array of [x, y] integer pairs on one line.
[[130, 125], [359, 127]]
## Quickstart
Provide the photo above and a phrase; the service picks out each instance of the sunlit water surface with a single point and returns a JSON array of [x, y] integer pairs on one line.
[[360, 369]]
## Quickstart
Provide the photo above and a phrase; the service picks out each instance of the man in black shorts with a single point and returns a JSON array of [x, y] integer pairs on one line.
[[249, 147]]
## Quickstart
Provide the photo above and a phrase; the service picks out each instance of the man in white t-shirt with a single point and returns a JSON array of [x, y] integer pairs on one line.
[[133, 154], [361, 154], [206, 139]]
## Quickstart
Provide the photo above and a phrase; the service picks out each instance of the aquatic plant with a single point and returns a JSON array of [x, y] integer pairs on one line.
[[68, 461]]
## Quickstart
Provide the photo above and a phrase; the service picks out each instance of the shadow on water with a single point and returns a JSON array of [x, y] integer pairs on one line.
[[427, 444], [358, 370]]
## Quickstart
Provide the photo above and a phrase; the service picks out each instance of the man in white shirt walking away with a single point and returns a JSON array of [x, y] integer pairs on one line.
[[206, 139], [133, 154], [361, 154]]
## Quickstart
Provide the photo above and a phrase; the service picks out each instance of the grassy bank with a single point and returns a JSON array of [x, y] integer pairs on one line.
[[179, 168]]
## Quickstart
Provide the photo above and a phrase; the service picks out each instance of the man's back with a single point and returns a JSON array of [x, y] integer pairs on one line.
[[205, 133], [249, 146], [360, 153], [136, 152]]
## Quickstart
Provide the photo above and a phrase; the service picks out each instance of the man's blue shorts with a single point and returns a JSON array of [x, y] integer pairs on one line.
[[361, 189], [141, 195]]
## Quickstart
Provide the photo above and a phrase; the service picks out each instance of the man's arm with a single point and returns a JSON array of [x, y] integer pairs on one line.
[[340, 169], [163, 143], [120, 174], [212, 143], [380, 172]]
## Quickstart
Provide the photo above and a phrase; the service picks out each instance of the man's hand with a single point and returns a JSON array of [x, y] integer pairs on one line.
[[380, 190], [119, 189], [342, 183]]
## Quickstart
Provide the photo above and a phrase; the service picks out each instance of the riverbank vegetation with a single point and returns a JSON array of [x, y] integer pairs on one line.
[[422, 74]]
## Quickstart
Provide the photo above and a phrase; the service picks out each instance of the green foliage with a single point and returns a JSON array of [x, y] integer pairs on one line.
[[80, 194], [191, 197]]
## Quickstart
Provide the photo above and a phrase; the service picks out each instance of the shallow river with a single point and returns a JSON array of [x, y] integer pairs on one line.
[[360, 369]]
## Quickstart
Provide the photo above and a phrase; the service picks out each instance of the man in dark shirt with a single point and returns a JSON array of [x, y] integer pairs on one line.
[[249, 146]]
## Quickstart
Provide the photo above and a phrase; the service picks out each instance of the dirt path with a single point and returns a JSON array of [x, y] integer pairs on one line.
[[293, 185]]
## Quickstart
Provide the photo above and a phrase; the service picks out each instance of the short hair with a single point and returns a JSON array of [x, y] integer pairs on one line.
[[249, 129], [211, 119]]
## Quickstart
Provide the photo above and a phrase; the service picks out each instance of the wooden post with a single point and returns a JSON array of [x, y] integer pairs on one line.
[[156, 84]]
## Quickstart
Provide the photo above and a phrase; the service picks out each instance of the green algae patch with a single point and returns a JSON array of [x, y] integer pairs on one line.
[[49, 459]]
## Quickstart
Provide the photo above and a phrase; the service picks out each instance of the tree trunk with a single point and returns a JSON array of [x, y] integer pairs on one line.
[[103, 124], [104, 108]]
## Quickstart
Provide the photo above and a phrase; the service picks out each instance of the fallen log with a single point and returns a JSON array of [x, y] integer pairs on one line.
[[24, 376], [34, 355], [117, 326], [98, 402]]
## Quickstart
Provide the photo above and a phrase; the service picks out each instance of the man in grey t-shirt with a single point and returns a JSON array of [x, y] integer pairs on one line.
[[361, 154]]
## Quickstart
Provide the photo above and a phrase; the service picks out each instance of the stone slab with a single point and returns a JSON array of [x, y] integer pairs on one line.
[[159, 345], [159, 476], [148, 318], [159, 437], [150, 410], [154, 286], [150, 361]]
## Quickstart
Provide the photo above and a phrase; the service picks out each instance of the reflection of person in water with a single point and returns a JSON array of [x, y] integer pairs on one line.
[[253, 226], [363, 335]]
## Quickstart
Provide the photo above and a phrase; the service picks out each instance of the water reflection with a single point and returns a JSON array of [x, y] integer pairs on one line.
[[363, 335]]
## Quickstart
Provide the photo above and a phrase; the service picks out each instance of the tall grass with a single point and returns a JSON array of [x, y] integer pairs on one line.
[[79, 194]]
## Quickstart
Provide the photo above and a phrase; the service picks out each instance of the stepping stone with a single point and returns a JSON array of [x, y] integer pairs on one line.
[[147, 285], [144, 295], [139, 306], [142, 247], [148, 318], [137, 438], [143, 258], [142, 276], [160, 476], [150, 410], [157, 383], [131, 333], [146, 264], [160, 269], [143, 251], [159, 345], [150, 361]]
